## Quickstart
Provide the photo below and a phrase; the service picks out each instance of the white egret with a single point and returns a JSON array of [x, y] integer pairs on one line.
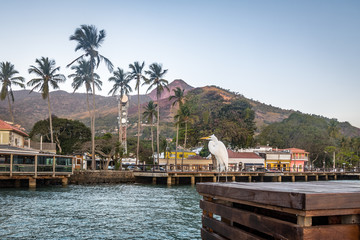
[[218, 149]]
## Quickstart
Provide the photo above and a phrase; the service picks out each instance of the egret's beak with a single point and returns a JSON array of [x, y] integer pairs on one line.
[[206, 138]]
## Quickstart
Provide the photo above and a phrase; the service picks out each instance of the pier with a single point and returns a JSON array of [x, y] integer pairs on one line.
[[25, 168], [174, 177], [309, 210]]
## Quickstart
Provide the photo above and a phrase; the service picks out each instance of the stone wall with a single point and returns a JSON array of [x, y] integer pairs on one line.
[[96, 177]]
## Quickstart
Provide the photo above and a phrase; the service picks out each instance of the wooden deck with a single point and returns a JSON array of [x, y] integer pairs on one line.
[[307, 210], [193, 177]]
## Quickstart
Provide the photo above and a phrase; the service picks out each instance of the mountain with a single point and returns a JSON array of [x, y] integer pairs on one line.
[[173, 85], [30, 107]]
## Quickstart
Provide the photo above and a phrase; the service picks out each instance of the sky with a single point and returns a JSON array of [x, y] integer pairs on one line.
[[300, 55]]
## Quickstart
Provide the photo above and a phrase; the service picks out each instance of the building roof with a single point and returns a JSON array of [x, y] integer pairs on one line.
[[243, 155], [296, 150], [6, 126]]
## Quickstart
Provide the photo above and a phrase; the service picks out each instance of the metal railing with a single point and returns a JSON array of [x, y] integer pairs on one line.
[[209, 168]]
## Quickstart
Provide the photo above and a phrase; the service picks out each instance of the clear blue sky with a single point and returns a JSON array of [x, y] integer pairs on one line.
[[301, 55]]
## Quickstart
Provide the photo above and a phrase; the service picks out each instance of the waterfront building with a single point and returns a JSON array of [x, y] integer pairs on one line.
[[191, 161], [277, 160], [11, 135], [245, 161], [299, 159]]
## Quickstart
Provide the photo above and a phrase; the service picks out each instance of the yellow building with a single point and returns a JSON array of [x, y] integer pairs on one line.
[[192, 162], [171, 155], [278, 160]]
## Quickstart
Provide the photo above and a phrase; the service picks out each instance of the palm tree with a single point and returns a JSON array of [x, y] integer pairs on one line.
[[47, 76], [82, 76], [89, 40], [178, 99], [156, 74], [150, 113], [184, 115], [121, 85], [136, 73], [7, 79]]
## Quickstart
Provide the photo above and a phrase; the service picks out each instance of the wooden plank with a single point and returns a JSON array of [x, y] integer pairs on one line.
[[270, 226], [206, 235], [282, 199], [329, 232], [302, 196], [226, 230], [309, 213], [332, 201]]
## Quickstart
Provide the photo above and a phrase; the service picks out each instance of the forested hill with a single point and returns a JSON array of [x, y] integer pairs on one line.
[[30, 108]]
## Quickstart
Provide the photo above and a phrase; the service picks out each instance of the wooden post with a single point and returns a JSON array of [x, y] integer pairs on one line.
[[261, 178], [11, 165], [233, 178], [154, 180], [326, 177], [64, 181], [32, 182], [192, 180], [317, 177], [169, 181], [214, 178], [335, 177], [54, 166], [304, 221], [306, 178], [279, 178], [293, 178], [350, 219], [36, 163], [249, 178]]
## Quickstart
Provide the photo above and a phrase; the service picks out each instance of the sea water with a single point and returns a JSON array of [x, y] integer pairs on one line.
[[125, 211]]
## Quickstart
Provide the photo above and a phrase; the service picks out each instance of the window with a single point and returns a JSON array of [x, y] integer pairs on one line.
[[4, 159], [63, 161], [45, 160], [23, 159]]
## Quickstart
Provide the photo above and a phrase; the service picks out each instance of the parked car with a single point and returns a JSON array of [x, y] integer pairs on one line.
[[161, 169], [133, 168]]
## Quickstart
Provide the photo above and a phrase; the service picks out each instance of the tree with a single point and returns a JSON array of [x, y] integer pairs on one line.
[[150, 113], [82, 76], [136, 73], [178, 98], [156, 74], [185, 116], [68, 134], [121, 85], [7, 79], [89, 40], [47, 76]]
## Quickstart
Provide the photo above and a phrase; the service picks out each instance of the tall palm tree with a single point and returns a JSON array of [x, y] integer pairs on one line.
[[7, 79], [137, 74], [156, 74], [89, 40], [178, 98], [184, 115], [150, 113], [47, 76], [121, 85], [82, 76]]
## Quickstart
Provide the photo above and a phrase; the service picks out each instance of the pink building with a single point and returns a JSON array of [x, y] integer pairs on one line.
[[299, 159]]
